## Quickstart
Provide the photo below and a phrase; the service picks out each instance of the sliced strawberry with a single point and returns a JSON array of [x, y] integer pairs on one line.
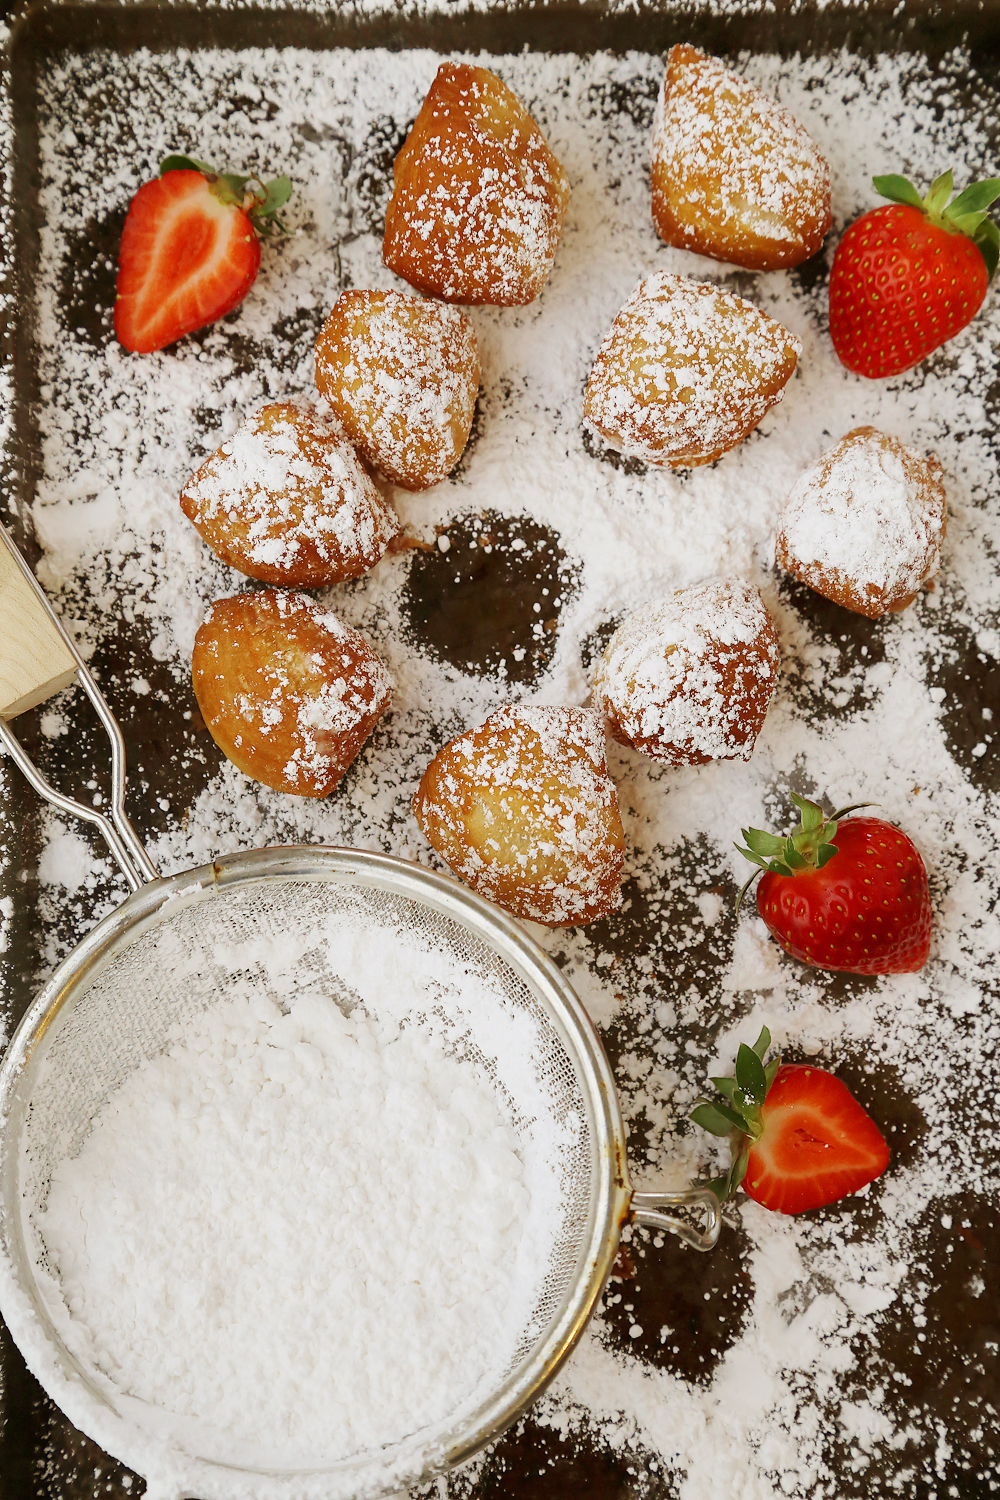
[[800, 1140], [818, 1143], [190, 251]]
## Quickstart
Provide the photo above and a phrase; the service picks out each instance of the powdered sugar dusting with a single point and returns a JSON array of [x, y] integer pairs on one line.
[[523, 808], [479, 199], [805, 1374], [402, 375], [686, 372], [286, 500], [865, 524], [688, 678], [734, 175]]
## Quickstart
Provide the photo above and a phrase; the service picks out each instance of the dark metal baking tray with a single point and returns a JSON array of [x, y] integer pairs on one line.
[[955, 1381]]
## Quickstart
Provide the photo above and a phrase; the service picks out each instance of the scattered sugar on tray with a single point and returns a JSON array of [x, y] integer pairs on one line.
[[630, 534]]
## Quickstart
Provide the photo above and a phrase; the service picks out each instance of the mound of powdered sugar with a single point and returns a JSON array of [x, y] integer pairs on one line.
[[299, 1232]]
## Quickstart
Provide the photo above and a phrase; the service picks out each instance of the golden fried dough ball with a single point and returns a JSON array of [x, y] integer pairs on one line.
[[864, 525], [523, 809], [478, 199], [734, 176], [402, 376], [289, 692], [285, 500], [686, 372], [688, 679]]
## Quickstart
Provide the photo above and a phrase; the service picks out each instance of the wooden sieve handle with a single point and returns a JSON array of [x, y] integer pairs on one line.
[[35, 658]]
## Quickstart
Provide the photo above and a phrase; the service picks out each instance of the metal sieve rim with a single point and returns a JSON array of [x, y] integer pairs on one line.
[[411, 1460]]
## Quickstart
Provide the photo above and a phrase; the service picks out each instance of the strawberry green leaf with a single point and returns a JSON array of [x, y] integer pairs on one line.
[[767, 844], [720, 1187], [739, 1169], [898, 190], [754, 858], [770, 1073], [762, 1043], [726, 1087], [792, 858], [812, 813], [750, 1074], [974, 199], [940, 191], [825, 853], [987, 237], [185, 164], [276, 195], [966, 224], [235, 183], [717, 1119]]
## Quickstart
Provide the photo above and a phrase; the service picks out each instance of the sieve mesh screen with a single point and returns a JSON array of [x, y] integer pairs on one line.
[[169, 972]]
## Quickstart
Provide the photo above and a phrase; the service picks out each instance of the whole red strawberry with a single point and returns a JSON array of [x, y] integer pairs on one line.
[[907, 278], [190, 250], [848, 895], [800, 1139]]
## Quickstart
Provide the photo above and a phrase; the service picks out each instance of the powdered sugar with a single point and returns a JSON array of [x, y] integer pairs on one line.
[[336, 1203], [733, 174], [478, 199], [688, 678], [403, 375], [286, 500], [523, 808]]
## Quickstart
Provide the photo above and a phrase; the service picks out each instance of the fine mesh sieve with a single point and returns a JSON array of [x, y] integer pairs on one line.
[[160, 962]]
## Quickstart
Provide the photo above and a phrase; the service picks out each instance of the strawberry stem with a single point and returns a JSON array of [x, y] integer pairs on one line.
[[810, 847], [735, 1110], [260, 201], [966, 214]]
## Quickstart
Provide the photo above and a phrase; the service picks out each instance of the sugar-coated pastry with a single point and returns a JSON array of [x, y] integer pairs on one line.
[[478, 198], [864, 525], [688, 679], [686, 372], [285, 500], [734, 176], [289, 692], [523, 809], [402, 375]]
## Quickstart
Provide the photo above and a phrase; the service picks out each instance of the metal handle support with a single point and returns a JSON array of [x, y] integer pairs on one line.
[[40, 657], [647, 1209]]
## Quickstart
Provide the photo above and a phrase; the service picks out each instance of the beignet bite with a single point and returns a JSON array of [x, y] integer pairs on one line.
[[478, 198], [733, 174], [688, 679], [523, 809], [686, 372], [288, 691], [286, 501], [864, 525], [402, 376]]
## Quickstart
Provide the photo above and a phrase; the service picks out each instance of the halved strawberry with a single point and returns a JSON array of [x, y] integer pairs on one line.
[[190, 250], [800, 1139]]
